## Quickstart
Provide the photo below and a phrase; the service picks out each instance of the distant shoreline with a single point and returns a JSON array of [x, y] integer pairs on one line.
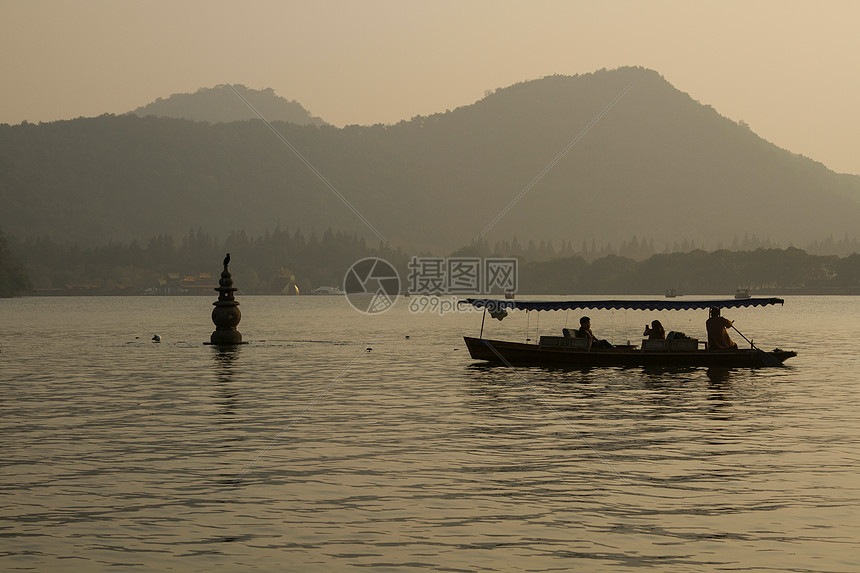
[[799, 291]]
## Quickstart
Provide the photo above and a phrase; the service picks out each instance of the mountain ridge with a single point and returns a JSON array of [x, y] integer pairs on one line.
[[220, 104], [658, 165]]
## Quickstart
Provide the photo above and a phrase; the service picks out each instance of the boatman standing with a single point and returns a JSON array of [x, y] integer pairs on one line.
[[718, 336]]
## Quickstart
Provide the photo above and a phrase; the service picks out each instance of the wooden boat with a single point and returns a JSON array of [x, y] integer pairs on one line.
[[742, 293], [672, 293], [566, 350]]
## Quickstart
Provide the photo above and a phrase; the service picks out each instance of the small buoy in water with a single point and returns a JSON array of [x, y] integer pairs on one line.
[[156, 338]]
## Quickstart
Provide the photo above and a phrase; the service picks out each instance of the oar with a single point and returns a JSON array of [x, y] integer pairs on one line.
[[768, 359]]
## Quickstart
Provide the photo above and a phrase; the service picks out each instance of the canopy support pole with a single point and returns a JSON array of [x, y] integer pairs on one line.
[[482, 322]]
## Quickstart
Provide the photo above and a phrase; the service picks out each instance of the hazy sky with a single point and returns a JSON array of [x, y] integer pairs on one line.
[[790, 69]]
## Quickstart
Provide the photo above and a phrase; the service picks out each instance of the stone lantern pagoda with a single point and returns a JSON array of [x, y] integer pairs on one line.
[[226, 314]]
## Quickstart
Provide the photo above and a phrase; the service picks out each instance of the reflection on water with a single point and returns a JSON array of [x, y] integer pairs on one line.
[[719, 375], [123, 453], [226, 361]]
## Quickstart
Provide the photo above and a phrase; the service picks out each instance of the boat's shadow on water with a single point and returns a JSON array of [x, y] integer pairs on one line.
[[715, 385], [494, 378], [628, 393], [713, 374], [719, 375]]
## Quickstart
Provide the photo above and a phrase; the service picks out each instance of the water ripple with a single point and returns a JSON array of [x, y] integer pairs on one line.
[[123, 453]]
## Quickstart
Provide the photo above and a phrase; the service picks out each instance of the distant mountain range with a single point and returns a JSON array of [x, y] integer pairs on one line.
[[658, 165], [220, 104]]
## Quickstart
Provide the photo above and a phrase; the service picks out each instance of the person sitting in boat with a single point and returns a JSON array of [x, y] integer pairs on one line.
[[585, 332], [718, 336], [655, 331]]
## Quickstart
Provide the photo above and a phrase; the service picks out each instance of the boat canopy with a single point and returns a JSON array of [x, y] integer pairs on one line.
[[495, 305]]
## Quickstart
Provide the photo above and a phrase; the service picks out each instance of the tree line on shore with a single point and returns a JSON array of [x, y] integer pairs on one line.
[[772, 271], [261, 263], [13, 275], [258, 263]]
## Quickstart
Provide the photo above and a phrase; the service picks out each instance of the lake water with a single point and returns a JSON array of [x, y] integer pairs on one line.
[[306, 451]]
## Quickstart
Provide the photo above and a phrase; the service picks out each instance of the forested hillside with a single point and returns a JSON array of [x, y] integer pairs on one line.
[[658, 165]]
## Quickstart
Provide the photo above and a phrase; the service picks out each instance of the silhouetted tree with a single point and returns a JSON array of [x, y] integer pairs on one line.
[[13, 276]]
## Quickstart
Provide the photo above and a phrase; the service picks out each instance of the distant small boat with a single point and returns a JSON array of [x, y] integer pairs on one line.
[[742, 293], [672, 293], [328, 290]]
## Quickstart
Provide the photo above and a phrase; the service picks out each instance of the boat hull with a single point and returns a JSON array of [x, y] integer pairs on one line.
[[522, 354]]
